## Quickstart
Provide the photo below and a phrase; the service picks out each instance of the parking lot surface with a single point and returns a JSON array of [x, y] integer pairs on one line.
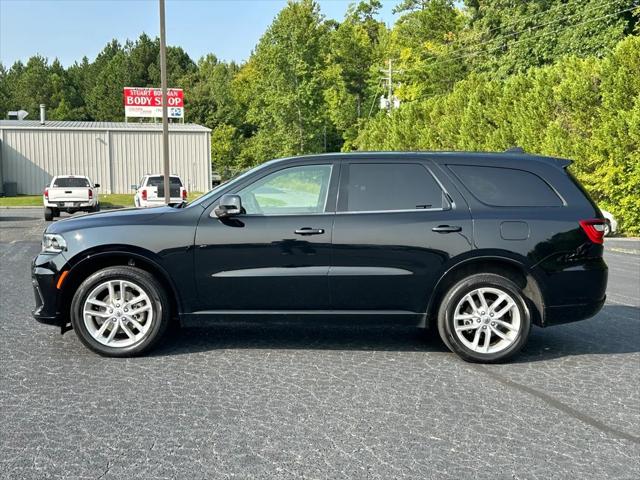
[[317, 401]]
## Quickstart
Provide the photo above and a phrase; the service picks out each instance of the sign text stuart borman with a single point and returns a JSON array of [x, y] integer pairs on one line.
[[147, 102]]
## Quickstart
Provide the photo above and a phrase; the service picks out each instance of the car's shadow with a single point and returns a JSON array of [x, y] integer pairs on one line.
[[615, 330], [5, 218]]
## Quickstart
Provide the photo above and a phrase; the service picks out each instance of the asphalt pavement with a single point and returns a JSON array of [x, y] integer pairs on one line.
[[316, 401]]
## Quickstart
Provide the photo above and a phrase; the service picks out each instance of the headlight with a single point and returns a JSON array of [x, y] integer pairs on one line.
[[53, 243]]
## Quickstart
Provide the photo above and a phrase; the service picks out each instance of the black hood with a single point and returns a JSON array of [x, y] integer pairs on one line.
[[125, 216]]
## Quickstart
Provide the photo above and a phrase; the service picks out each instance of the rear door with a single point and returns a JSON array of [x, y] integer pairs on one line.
[[395, 230]]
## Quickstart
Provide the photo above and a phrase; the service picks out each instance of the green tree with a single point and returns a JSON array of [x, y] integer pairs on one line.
[[282, 87], [422, 42], [507, 36], [353, 49]]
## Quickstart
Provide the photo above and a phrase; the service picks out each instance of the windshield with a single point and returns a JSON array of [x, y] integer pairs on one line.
[[71, 182], [236, 179]]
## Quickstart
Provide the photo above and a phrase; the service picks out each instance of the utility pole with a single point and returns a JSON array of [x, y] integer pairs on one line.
[[165, 119], [390, 102]]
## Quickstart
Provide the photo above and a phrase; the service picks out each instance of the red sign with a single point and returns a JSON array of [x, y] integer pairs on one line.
[[147, 102]]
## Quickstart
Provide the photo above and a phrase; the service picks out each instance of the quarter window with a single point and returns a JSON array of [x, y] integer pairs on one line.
[[295, 190], [389, 186], [506, 187]]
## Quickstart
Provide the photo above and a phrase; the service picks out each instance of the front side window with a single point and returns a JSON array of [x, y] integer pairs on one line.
[[389, 186], [295, 190]]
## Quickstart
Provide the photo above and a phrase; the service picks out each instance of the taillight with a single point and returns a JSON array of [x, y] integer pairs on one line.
[[594, 228], [184, 194], [90, 194], [46, 194], [144, 195]]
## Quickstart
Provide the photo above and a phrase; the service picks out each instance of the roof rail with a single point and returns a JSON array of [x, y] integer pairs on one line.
[[514, 150]]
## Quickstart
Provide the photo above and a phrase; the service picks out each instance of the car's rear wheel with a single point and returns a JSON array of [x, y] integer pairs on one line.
[[484, 318], [120, 311], [48, 214]]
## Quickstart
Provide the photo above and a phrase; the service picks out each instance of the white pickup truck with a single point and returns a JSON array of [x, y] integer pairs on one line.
[[70, 193], [150, 192]]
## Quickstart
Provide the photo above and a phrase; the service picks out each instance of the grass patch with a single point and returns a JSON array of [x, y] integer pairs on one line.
[[21, 201], [114, 200]]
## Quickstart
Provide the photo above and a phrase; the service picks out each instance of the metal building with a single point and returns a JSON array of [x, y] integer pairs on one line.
[[113, 154]]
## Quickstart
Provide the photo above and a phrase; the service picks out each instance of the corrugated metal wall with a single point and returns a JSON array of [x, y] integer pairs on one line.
[[115, 159], [133, 158]]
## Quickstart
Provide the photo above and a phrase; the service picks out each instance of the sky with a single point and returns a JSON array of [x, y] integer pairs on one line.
[[71, 29]]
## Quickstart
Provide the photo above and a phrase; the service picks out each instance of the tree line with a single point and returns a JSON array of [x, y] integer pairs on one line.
[[557, 77]]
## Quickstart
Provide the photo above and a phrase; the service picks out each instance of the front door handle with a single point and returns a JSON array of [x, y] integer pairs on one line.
[[309, 231], [446, 229]]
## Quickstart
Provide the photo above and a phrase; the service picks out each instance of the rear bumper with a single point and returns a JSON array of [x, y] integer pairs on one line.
[[158, 203], [575, 293], [571, 313], [70, 205]]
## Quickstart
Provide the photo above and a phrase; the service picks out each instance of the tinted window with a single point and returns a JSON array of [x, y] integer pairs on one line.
[[158, 181], [506, 187], [67, 182], [295, 190], [389, 186]]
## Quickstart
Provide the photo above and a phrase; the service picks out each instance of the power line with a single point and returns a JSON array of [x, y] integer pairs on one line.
[[534, 27], [544, 12], [542, 34]]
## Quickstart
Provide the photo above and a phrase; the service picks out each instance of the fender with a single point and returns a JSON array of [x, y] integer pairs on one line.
[[78, 262], [476, 256]]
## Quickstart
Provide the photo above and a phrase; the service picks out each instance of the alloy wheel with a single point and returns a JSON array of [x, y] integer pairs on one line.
[[118, 313], [487, 320]]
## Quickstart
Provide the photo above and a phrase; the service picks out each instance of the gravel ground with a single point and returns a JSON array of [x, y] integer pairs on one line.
[[275, 401]]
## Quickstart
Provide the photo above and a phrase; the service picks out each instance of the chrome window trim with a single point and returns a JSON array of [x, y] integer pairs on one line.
[[407, 210]]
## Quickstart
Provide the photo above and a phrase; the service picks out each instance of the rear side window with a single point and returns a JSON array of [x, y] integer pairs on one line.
[[506, 187], [388, 186], [66, 182]]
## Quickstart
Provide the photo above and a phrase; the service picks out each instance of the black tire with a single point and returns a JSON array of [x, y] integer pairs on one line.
[[56, 212], [159, 302], [48, 214], [446, 324], [96, 208]]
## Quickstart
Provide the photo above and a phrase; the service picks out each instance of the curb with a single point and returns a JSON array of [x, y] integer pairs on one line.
[[30, 207]]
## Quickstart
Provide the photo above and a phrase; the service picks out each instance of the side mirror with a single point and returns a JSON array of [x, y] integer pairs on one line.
[[97, 185], [134, 186], [229, 206]]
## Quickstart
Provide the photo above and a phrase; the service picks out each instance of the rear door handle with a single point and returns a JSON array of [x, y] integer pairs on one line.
[[309, 231], [446, 229]]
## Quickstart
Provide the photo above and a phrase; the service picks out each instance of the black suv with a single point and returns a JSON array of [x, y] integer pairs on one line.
[[478, 245]]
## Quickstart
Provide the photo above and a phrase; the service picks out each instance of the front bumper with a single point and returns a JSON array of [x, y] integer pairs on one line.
[[44, 276]]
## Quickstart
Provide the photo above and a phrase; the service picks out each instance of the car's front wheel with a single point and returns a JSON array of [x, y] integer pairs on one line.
[[120, 311], [484, 318]]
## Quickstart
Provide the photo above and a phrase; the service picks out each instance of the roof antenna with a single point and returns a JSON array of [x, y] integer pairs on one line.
[[514, 150]]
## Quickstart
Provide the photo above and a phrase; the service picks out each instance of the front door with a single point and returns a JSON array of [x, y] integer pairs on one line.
[[395, 230], [276, 256]]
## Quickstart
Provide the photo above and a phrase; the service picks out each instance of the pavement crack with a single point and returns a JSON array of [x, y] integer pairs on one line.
[[557, 404]]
